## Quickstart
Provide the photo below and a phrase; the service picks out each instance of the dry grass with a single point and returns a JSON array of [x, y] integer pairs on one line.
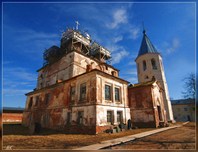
[[17, 136]]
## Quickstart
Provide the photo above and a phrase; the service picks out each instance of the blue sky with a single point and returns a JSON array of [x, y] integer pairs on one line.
[[30, 28]]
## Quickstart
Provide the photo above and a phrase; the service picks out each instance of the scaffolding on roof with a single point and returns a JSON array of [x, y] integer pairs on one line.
[[100, 52], [52, 54]]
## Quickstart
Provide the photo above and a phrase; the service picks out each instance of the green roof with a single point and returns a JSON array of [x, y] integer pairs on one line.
[[146, 46]]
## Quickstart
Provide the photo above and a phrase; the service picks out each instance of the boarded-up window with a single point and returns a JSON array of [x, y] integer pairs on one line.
[[83, 91], [107, 92], [110, 117], [117, 94], [47, 98], [80, 117]]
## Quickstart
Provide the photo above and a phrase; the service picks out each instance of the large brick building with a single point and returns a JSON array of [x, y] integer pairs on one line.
[[77, 91]]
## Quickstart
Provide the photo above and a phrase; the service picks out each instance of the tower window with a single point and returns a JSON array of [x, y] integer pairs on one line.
[[154, 64], [144, 65]]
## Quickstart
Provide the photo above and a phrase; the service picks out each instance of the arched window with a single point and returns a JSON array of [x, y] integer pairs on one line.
[[153, 64], [144, 65]]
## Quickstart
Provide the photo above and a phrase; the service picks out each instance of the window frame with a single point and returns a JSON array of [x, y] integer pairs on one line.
[[83, 91], [119, 93], [47, 98], [109, 96], [37, 98], [80, 116], [110, 120], [72, 93], [121, 116], [153, 63]]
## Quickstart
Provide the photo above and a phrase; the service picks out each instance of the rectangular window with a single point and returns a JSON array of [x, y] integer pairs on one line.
[[110, 117], [47, 98], [72, 93], [107, 92], [119, 116], [83, 91], [185, 109], [30, 103], [117, 94], [68, 117], [37, 101], [80, 117]]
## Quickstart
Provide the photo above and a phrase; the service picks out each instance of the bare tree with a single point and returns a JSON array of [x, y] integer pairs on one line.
[[189, 86]]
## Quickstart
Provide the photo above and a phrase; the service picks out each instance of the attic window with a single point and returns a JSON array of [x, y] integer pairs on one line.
[[106, 67], [113, 73]]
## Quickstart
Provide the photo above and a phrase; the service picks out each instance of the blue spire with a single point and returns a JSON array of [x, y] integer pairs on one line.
[[146, 45]]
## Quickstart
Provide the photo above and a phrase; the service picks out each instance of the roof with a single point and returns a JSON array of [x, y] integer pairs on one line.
[[146, 45], [183, 101], [148, 83], [13, 109]]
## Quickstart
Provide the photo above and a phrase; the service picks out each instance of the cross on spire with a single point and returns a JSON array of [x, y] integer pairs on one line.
[[144, 31], [77, 23]]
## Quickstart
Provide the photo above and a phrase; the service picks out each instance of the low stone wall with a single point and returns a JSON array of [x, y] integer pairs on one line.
[[12, 117]]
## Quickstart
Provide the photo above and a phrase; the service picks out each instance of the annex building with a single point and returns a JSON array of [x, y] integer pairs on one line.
[[78, 92]]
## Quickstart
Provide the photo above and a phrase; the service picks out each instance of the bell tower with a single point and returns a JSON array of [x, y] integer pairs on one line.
[[150, 66]]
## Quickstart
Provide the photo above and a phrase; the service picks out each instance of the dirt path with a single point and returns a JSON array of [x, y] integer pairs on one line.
[[179, 138]]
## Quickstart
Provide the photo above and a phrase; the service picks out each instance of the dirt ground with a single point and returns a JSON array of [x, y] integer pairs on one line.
[[16, 136], [179, 138]]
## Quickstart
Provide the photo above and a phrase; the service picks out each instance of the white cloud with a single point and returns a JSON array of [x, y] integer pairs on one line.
[[17, 81], [118, 56], [18, 73], [131, 72], [134, 32], [132, 63], [118, 38], [119, 17], [170, 47], [14, 92]]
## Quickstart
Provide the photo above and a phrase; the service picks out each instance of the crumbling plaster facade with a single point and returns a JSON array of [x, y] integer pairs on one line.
[[70, 65], [146, 105], [55, 114]]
